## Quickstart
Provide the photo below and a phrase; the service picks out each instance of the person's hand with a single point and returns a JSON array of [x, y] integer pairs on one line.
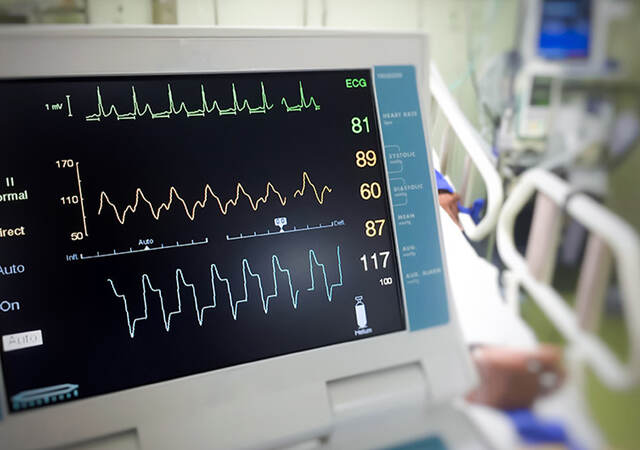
[[511, 379], [449, 202]]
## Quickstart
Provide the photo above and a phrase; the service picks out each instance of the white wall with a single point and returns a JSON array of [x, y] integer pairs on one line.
[[195, 12], [119, 11], [373, 14], [252, 13]]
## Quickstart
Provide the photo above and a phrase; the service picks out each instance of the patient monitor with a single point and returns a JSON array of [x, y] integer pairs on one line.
[[222, 238], [561, 42]]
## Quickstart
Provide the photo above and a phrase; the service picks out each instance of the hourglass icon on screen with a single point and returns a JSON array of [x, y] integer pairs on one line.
[[280, 222]]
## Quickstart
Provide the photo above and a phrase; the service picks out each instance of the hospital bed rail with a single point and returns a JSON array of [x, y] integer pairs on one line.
[[454, 127], [611, 240]]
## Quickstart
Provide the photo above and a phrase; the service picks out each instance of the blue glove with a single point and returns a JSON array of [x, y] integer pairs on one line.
[[474, 211]]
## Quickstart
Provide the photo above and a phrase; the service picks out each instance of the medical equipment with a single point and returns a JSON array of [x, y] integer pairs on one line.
[[554, 98], [201, 208], [453, 135], [449, 127], [561, 40], [610, 240]]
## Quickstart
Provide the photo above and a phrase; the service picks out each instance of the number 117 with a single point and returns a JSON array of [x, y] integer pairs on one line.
[[384, 256]]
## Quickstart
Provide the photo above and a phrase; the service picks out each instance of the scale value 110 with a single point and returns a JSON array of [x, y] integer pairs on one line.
[[74, 198]]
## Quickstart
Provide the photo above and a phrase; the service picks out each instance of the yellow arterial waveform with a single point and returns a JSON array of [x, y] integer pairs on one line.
[[208, 193], [305, 180]]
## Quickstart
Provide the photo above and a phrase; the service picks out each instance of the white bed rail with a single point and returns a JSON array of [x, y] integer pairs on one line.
[[477, 153], [607, 231]]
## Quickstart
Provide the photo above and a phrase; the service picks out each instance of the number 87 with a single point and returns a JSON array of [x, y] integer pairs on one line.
[[373, 228]]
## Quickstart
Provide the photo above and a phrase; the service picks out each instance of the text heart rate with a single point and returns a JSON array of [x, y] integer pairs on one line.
[[277, 267]]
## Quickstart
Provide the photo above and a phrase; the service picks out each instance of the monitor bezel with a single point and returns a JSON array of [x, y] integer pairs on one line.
[[298, 380]]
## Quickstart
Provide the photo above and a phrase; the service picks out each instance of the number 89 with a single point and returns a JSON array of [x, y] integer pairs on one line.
[[366, 158]]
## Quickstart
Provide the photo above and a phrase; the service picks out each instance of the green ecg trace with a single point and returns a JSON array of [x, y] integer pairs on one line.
[[303, 104], [204, 108]]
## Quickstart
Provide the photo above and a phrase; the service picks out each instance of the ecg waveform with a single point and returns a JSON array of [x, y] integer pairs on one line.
[[181, 283], [208, 193], [204, 108]]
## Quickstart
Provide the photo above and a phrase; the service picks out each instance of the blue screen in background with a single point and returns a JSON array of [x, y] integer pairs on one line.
[[565, 29]]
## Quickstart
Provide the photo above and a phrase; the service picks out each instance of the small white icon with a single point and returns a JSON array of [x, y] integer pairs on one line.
[[361, 313], [19, 341], [280, 222]]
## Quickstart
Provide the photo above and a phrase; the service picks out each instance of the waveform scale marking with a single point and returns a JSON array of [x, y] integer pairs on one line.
[[215, 274]]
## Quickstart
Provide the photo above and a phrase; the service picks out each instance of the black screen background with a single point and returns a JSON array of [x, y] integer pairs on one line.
[[85, 333]]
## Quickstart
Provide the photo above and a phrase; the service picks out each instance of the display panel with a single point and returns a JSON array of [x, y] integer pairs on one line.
[[160, 226], [565, 29]]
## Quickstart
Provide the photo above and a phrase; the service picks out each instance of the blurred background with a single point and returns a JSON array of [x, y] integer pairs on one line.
[[579, 121]]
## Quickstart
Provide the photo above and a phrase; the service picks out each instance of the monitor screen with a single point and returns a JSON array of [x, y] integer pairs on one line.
[[565, 29], [155, 227]]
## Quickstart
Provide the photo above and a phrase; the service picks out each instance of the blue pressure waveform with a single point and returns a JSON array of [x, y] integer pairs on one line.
[[215, 275]]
